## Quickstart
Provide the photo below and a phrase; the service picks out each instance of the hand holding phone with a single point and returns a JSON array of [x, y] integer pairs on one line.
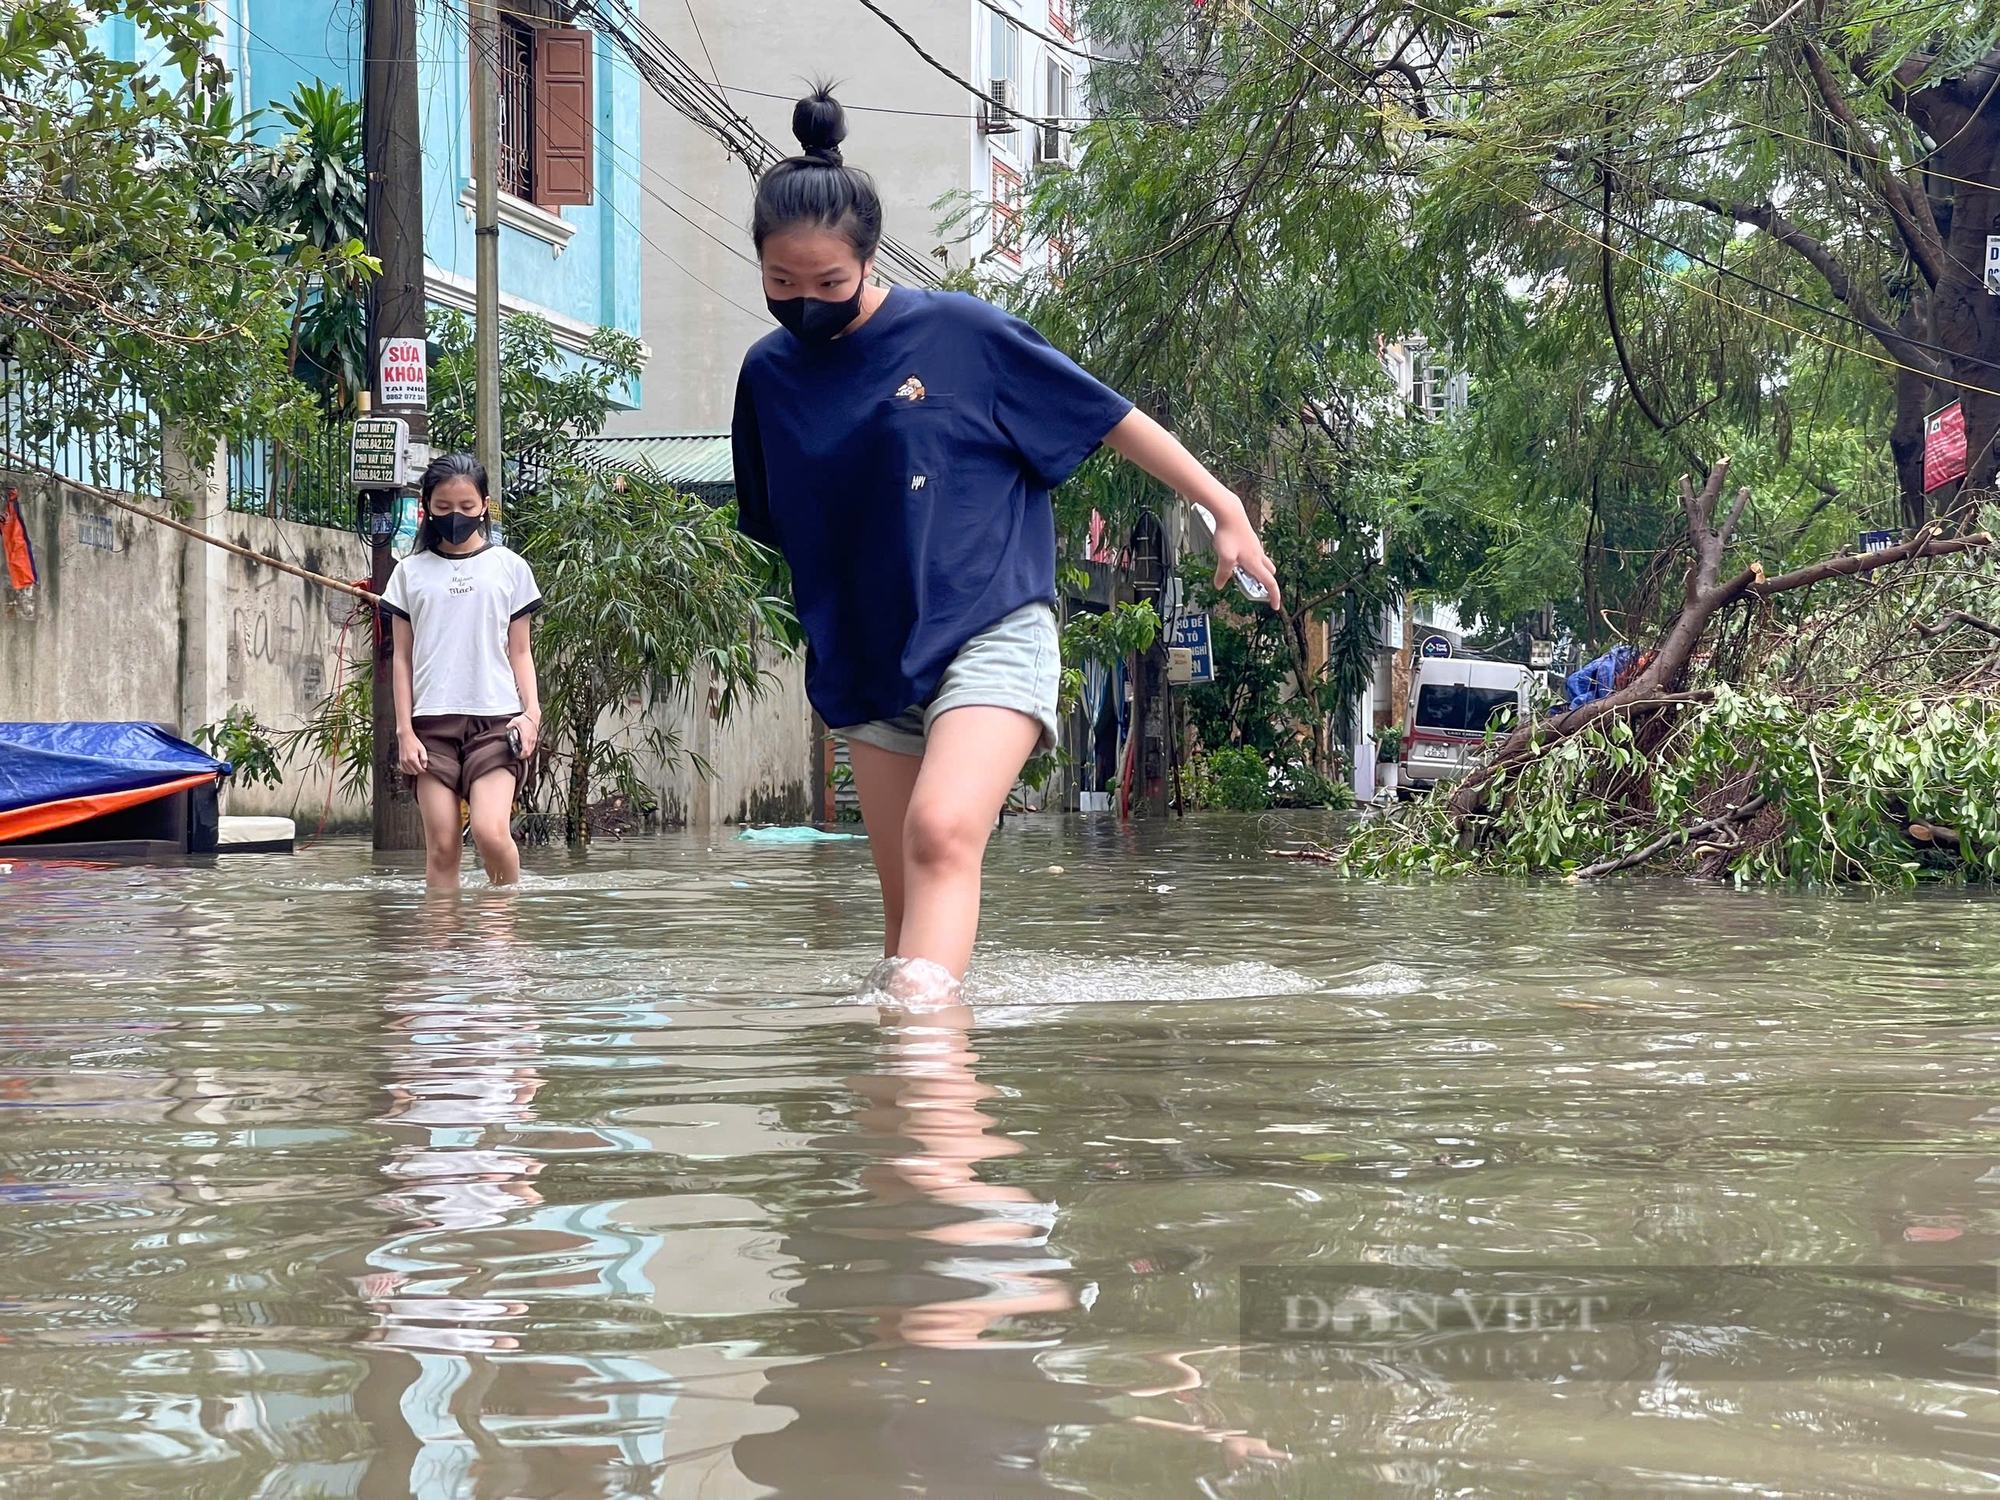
[[1252, 589]]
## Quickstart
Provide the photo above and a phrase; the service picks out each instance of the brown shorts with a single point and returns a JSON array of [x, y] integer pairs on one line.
[[462, 748]]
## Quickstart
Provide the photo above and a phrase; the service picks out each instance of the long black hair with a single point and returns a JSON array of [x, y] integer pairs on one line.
[[816, 189], [444, 467]]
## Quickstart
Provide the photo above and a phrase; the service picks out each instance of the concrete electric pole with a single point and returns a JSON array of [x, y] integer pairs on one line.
[[393, 150], [486, 173]]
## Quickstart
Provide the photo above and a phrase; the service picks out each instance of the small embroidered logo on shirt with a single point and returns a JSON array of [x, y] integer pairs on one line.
[[911, 390], [916, 481]]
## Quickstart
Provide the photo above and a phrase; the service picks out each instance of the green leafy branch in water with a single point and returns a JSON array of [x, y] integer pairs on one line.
[[1757, 785], [238, 738]]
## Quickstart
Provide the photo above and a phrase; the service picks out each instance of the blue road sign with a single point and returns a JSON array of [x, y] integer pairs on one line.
[[1188, 631]]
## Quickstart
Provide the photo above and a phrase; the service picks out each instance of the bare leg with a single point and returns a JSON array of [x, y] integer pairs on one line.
[[973, 758], [492, 802], [437, 805], [883, 780]]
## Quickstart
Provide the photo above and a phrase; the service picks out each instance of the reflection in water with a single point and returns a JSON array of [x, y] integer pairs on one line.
[[458, 1290], [947, 1396], [595, 1190]]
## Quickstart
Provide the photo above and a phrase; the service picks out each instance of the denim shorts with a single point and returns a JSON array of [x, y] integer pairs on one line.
[[1016, 664]]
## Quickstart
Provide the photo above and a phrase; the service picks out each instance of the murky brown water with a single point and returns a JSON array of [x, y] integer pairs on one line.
[[308, 1187]]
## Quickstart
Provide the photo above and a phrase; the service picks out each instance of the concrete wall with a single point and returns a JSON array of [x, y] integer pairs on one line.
[[760, 756], [132, 620]]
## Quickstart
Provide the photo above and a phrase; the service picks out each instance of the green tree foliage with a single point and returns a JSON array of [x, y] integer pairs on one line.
[[1241, 782], [311, 185], [1651, 234], [134, 294], [547, 399], [652, 597]]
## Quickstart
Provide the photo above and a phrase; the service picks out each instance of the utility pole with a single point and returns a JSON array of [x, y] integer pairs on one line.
[[393, 151], [486, 232]]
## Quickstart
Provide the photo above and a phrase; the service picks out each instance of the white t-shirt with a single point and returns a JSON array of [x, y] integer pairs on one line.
[[459, 609]]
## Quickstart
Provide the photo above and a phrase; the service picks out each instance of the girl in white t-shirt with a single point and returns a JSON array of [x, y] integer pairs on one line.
[[467, 709]]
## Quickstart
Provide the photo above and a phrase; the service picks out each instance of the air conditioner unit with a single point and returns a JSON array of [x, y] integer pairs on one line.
[[1051, 146], [996, 116]]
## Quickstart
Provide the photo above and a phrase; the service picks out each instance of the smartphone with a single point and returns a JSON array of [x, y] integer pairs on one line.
[[1252, 589], [514, 739]]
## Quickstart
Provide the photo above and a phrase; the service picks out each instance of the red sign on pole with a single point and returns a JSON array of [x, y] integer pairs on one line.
[[403, 374], [1944, 447]]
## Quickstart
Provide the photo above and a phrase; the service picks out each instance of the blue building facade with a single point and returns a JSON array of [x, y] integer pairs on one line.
[[577, 266]]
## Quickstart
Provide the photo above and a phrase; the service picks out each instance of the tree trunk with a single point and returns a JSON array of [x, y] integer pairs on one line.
[[1906, 437], [583, 737], [1965, 318]]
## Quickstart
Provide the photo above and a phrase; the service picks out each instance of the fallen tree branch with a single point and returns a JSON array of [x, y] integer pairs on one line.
[[1707, 593], [1666, 841], [1953, 617], [1854, 564], [1313, 852]]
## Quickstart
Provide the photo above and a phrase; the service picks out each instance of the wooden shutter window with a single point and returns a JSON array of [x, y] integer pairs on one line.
[[565, 165]]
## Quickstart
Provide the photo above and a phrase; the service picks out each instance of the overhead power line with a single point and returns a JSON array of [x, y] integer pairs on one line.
[[999, 105]]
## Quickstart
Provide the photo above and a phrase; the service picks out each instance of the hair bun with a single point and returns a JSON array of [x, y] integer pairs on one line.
[[820, 125]]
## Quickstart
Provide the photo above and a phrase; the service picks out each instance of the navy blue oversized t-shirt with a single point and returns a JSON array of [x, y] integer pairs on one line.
[[904, 472]]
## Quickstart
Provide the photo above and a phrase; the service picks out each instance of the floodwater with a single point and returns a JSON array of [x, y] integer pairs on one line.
[[312, 1187]]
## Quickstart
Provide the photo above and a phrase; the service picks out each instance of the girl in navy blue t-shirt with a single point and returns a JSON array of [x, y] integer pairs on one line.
[[898, 447]]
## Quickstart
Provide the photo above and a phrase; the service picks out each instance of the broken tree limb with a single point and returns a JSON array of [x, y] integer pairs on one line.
[[110, 498], [1953, 617], [1855, 564], [1707, 592], [1667, 841]]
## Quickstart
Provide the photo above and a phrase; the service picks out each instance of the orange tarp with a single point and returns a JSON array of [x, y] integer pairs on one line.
[[26, 822]]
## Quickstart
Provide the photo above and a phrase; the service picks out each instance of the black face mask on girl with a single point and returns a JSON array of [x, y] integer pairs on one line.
[[455, 528], [813, 321]]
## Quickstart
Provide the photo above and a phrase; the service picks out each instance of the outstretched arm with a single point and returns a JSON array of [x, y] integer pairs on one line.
[[1149, 445]]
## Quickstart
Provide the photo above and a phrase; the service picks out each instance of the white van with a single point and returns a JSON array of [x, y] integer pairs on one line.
[[1454, 700]]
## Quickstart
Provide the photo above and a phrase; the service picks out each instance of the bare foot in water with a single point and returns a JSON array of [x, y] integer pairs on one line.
[[911, 984]]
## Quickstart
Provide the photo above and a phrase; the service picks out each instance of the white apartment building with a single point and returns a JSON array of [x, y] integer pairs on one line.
[[952, 167]]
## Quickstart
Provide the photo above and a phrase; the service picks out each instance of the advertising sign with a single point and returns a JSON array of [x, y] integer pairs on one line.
[[379, 458], [404, 377], [1435, 646], [1879, 541], [1188, 631], [1944, 447], [1993, 265]]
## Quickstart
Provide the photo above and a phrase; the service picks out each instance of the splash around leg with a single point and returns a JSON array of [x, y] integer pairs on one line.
[[911, 984]]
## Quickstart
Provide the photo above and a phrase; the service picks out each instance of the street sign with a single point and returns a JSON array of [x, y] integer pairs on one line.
[[404, 379], [1944, 446], [380, 456], [1879, 541], [1435, 647], [1993, 265], [1541, 653], [1187, 630]]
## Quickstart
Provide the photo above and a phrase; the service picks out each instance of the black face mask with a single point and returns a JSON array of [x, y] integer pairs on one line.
[[455, 528], [813, 321]]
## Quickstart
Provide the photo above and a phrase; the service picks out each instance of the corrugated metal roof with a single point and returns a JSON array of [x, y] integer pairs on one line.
[[699, 462]]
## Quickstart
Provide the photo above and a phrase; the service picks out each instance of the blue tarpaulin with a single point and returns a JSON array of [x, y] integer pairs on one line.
[[1597, 679], [55, 762]]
